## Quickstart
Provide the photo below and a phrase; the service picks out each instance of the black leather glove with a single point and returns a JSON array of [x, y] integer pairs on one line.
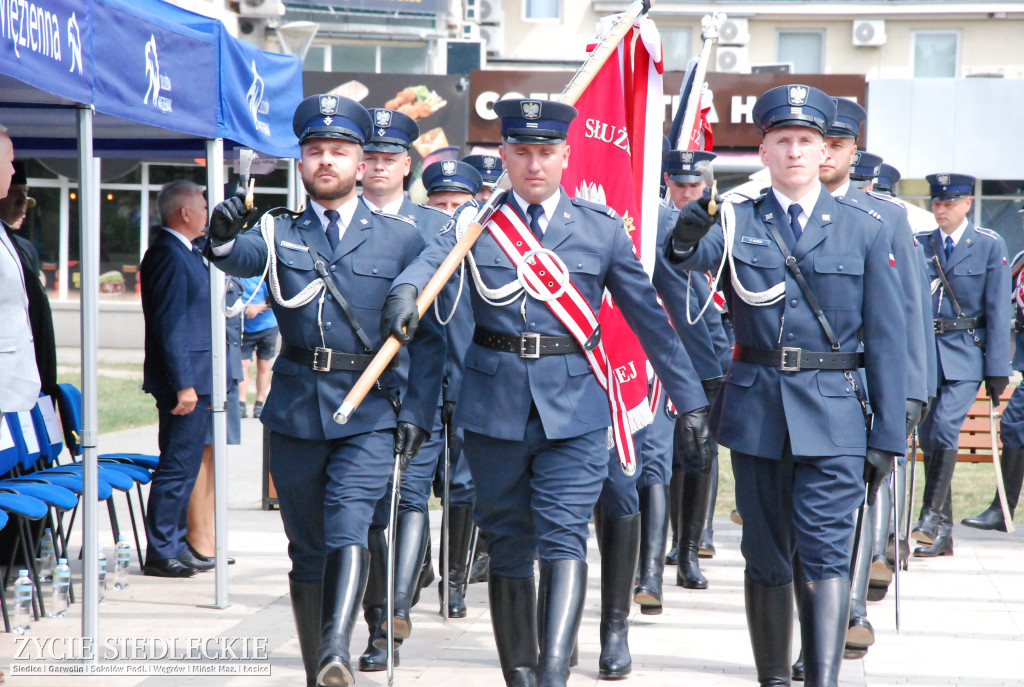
[[711, 388], [694, 221], [877, 466], [915, 414], [408, 439], [400, 316], [447, 412], [995, 386], [696, 437], [230, 217]]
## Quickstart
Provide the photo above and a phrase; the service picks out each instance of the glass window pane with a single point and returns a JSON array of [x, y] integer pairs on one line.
[[935, 55], [542, 9], [395, 59], [677, 47], [803, 49], [354, 58], [314, 60]]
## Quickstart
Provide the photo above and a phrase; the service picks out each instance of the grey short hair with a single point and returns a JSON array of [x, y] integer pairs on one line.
[[173, 197]]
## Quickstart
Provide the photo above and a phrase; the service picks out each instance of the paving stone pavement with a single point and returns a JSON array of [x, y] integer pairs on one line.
[[962, 617]]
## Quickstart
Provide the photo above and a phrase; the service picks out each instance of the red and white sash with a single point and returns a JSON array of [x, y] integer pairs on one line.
[[543, 275]]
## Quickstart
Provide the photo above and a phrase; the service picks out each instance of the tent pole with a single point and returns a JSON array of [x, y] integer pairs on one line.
[[89, 268], [218, 337]]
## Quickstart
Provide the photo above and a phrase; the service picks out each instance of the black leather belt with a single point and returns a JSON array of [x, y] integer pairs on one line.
[[787, 359], [327, 359], [527, 344], [958, 324]]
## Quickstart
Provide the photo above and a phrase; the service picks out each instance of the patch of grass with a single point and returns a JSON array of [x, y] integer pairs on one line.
[[122, 403]]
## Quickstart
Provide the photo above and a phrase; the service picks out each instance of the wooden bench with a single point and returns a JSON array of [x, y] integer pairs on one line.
[[975, 445]]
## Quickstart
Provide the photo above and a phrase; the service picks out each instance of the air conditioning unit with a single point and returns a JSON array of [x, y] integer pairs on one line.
[[470, 32], [734, 32], [490, 11], [869, 32], [732, 59], [471, 10], [494, 39], [260, 8]]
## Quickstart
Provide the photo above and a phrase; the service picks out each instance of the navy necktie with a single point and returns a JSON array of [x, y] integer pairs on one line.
[[949, 247], [794, 221], [333, 229], [535, 211]]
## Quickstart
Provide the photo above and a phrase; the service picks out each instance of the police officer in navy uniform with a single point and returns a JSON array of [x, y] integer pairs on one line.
[[490, 169], [791, 407], [886, 180], [971, 337], [329, 476], [1011, 424], [450, 184], [388, 164], [536, 426], [837, 174]]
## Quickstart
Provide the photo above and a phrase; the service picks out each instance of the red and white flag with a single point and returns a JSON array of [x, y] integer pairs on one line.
[[616, 155]]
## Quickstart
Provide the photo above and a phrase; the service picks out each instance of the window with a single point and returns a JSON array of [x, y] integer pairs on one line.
[[803, 49], [936, 54], [354, 58], [395, 59], [541, 9], [677, 46], [315, 58]]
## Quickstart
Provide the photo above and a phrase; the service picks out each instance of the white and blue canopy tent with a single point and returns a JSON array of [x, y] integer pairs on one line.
[[108, 78]]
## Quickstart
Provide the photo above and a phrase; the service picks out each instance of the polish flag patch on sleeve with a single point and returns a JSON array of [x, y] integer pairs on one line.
[[892, 260]]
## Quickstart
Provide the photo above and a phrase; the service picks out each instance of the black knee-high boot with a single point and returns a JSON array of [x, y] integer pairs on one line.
[[1013, 477], [306, 609], [513, 604], [460, 530], [770, 624], [824, 608], [345, 572], [693, 513], [619, 552], [410, 545], [374, 604], [653, 529], [563, 588]]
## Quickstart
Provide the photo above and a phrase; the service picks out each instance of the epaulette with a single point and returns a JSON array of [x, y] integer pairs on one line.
[[736, 197], [887, 199], [443, 214], [591, 205], [987, 232], [388, 215], [852, 203], [283, 211]]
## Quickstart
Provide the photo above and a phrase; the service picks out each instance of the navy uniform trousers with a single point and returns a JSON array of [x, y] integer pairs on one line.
[[536, 430], [798, 439], [329, 477]]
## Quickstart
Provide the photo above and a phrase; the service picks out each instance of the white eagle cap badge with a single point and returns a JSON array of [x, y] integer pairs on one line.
[[448, 168], [382, 118], [489, 162], [686, 157], [856, 159], [797, 95], [531, 109], [328, 105], [943, 179]]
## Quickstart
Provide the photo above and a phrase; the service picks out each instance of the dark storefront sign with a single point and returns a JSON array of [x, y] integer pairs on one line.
[[734, 98], [437, 103], [401, 6]]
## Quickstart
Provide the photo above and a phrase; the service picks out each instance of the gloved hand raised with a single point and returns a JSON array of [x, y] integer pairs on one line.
[[694, 222], [400, 316], [230, 218], [877, 466], [692, 429], [408, 439]]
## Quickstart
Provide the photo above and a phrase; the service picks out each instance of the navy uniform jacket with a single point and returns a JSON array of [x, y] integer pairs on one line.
[[373, 251], [233, 292], [844, 256], [671, 286], [980, 278], [498, 389], [909, 266], [176, 308]]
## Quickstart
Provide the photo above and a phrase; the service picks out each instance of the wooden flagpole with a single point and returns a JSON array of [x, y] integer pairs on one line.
[[572, 92]]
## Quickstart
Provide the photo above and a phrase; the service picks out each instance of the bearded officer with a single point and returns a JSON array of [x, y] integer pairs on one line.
[[967, 267], [791, 407], [534, 413], [388, 164], [329, 476]]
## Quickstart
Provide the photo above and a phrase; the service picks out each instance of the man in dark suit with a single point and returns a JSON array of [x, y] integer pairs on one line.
[[791, 407], [534, 413], [177, 372]]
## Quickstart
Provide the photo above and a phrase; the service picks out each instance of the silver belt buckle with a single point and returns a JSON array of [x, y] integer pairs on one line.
[[322, 359], [527, 339], [784, 363]]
